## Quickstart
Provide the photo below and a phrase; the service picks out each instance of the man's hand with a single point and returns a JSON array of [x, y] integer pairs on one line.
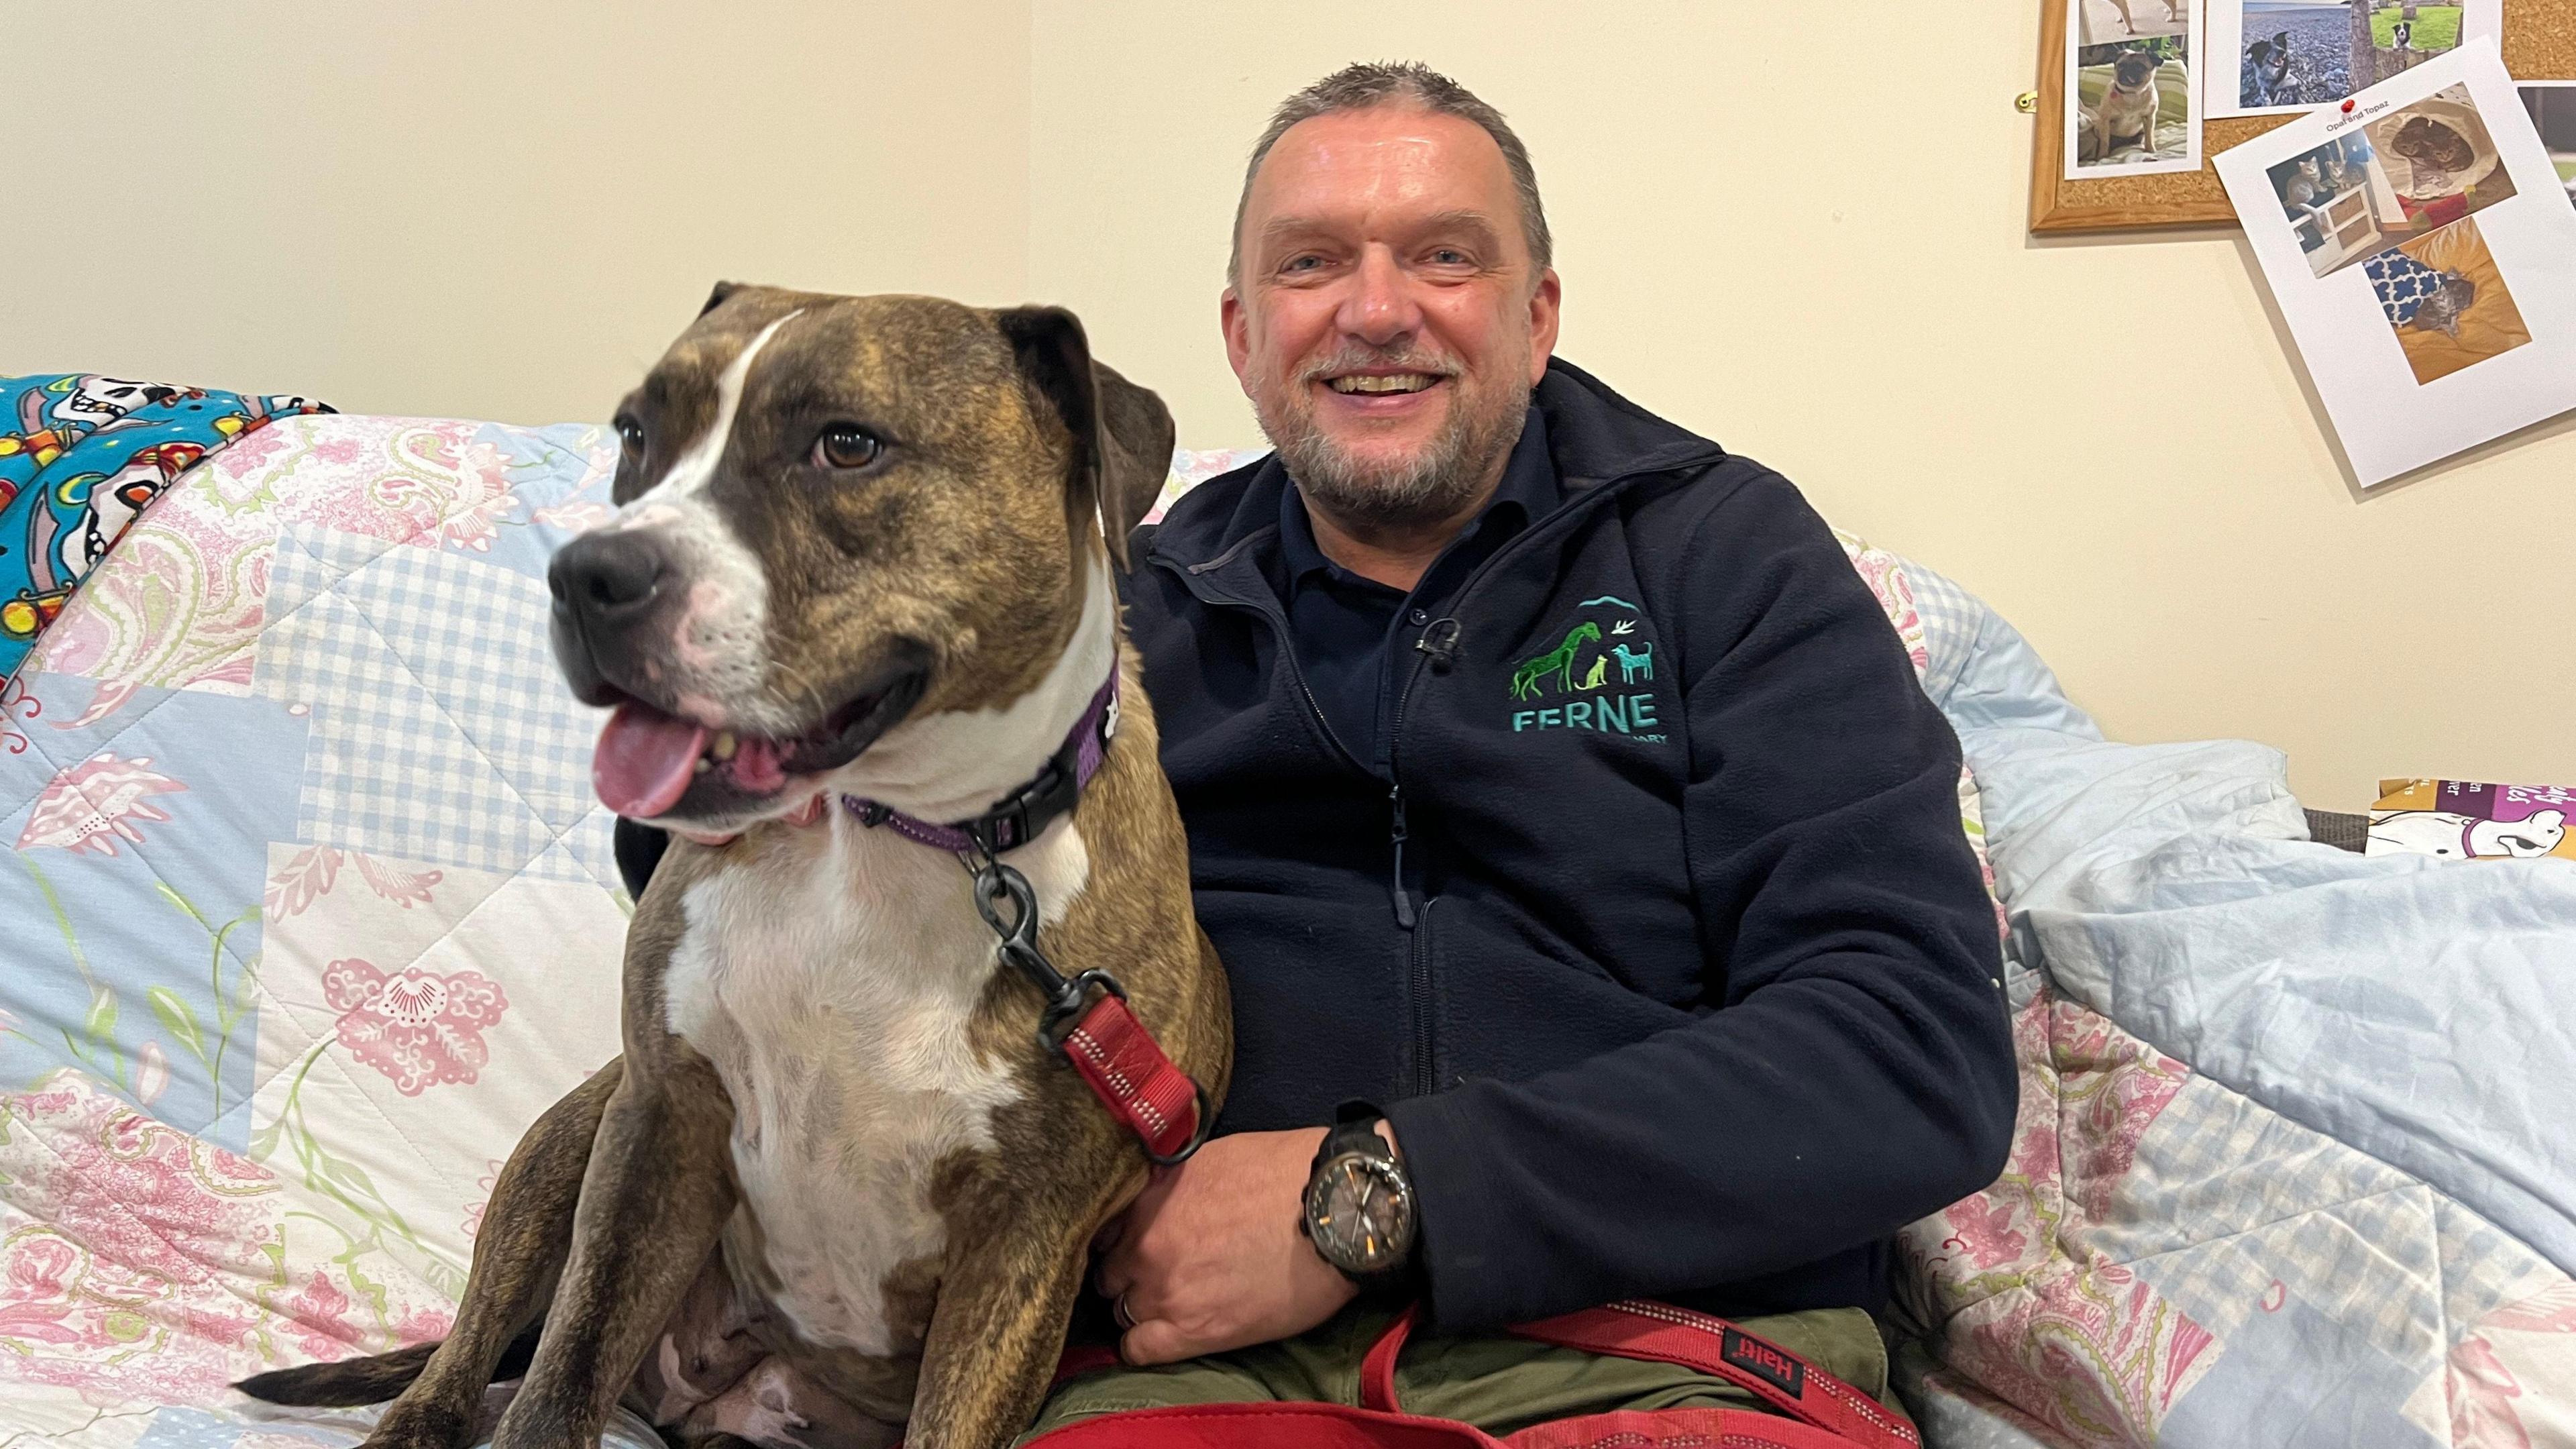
[[1209, 1258]]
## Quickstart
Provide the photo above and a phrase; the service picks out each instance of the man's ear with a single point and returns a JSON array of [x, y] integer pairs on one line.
[[1122, 433], [716, 298]]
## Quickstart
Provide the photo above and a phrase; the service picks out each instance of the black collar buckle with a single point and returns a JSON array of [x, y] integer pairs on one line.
[[1016, 818]]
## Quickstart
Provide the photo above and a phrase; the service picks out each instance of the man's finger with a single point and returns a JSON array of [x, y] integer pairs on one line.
[[1109, 1235], [1152, 1341], [1116, 1276]]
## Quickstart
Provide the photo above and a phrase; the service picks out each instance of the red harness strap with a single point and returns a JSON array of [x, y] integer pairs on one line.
[[1821, 1411], [1127, 1070]]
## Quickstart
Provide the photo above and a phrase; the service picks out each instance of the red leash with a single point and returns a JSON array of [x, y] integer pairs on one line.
[[1813, 1409], [1126, 1069]]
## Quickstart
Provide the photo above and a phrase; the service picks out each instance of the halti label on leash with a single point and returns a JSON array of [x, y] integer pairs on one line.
[[1771, 1365]]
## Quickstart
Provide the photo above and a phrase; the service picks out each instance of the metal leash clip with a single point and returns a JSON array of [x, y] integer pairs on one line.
[[1066, 995]]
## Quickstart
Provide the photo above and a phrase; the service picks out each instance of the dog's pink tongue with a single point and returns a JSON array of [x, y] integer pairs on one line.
[[644, 760]]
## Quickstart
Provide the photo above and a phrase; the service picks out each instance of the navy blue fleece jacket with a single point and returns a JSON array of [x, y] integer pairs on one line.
[[1655, 933]]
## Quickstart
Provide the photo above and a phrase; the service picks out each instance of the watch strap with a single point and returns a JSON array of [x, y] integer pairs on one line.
[[1354, 1133], [1354, 1129]]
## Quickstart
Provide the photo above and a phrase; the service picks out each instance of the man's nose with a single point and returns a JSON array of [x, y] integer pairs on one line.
[[1380, 307], [607, 579]]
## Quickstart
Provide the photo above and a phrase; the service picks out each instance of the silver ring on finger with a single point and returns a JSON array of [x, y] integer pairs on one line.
[[1119, 1311]]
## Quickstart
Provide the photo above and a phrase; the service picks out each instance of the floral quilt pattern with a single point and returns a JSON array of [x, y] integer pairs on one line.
[[261, 1045]]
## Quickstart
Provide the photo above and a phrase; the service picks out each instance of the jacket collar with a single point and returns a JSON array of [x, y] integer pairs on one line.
[[1595, 437]]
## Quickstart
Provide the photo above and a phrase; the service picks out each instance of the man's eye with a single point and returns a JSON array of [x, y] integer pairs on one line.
[[630, 433], [1303, 264], [846, 445], [1448, 256]]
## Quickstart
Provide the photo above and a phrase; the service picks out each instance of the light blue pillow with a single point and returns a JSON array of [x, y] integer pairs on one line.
[[1982, 672]]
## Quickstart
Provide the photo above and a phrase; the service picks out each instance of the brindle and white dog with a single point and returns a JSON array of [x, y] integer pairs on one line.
[[834, 1181]]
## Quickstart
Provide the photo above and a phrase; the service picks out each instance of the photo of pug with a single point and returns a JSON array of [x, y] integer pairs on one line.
[[2131, 105], [2126, 114]]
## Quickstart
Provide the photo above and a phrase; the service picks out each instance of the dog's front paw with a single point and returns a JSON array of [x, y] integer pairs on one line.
[[424, 1426]]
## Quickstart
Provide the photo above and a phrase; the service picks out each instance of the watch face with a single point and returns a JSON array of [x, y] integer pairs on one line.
[[1360, 1212]]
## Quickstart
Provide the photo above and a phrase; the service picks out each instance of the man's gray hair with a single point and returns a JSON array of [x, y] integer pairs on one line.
[[1366, 84]]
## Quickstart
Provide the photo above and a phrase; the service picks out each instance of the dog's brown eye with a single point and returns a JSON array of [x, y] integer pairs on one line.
[[631, 434], [847, 445]]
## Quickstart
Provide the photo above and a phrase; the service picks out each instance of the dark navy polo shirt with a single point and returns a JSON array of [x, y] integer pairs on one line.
[[1346, 629]]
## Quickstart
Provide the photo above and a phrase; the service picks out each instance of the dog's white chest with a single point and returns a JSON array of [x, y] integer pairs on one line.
[[831, 983]]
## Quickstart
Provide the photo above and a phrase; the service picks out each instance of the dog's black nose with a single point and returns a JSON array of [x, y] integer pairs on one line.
[[606, 576], [605, 585]]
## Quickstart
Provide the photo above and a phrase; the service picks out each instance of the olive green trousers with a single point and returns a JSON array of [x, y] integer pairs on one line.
[[1498, 1383]]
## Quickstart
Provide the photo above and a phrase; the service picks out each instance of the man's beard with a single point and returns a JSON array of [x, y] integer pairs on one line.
[[1433, 486]]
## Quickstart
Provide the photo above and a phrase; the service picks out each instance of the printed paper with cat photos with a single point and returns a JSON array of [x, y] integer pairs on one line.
[[2131, 107], [2268, 57], [2423, 256], [2402, 175]]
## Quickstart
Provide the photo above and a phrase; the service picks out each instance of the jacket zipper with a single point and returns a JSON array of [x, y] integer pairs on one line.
[[1403, 902], [1419, 984], [1426, 1078]]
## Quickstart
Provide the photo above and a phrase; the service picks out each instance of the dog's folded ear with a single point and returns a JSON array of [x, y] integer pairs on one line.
[[1122, 433], [716, 298]]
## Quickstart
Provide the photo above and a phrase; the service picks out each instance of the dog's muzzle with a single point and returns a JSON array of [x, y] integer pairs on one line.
[[615, 620], [607, 587]]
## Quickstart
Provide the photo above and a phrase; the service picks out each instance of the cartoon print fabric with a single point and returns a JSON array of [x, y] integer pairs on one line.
[[81, 455]]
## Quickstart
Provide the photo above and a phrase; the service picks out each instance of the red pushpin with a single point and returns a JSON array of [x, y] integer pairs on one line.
[[2347, 108]]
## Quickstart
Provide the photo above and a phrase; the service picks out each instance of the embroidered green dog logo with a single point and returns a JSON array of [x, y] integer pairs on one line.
[[1580, 677]]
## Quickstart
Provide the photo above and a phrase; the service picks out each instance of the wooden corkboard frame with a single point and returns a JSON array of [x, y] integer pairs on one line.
[[2539, 44]]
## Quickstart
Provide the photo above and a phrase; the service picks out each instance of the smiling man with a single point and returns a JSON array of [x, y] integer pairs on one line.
[[1585, 858]]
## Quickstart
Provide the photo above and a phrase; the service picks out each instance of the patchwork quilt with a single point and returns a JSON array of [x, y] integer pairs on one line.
[[311, 911]]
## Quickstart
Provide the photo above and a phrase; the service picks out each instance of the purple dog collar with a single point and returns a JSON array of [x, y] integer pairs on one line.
[[1018, 817]]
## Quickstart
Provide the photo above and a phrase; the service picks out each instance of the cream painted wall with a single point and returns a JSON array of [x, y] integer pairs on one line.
[[1798, 229], [481, 208]]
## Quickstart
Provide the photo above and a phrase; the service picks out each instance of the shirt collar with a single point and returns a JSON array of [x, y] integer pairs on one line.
[[1528, 490]]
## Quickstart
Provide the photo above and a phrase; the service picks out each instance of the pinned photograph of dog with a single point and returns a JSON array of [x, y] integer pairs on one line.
[[2446, 302], [2404, 175], [2108, 22], [2132, 102], [857, 620], [2293, 54]]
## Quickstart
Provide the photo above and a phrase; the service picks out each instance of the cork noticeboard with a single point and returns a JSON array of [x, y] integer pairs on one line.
[[2539, 44]]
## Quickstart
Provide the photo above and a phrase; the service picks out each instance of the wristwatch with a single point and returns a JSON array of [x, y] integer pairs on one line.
[[1358, 1210]]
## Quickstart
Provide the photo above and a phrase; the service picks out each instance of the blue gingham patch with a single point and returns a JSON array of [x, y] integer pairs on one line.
[[440, 729]]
